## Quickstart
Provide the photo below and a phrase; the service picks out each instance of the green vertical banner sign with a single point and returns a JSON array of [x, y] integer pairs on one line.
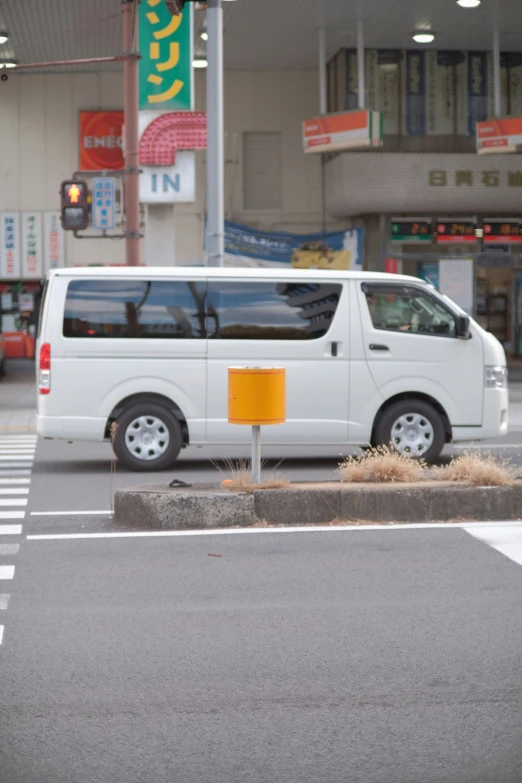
[[165, 43]]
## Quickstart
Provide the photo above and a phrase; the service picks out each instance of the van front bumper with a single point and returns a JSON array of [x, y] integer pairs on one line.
[[495, 418]]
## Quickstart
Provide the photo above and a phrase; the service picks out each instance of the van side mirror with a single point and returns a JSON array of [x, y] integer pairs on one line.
[[463, 327]]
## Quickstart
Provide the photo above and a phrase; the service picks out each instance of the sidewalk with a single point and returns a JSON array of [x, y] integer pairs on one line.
[[18, 398]]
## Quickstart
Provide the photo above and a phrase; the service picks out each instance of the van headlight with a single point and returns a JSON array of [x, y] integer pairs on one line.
[[496, 377]]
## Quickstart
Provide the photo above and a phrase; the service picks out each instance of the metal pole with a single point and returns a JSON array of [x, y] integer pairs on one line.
[[496, 73], [322, 71], [131, 138], [360, 62], [215, 144], [256, 454]]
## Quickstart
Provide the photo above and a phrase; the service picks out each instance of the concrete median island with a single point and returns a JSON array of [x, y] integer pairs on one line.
[[208, 506]]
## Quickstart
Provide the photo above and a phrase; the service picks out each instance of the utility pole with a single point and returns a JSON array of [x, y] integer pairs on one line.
[[131, 136], [215, 145]]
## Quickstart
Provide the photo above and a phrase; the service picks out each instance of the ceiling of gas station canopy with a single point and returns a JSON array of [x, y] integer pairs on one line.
[[260, 34]]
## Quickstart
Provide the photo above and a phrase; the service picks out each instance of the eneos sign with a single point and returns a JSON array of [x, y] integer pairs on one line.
[[101, 142]]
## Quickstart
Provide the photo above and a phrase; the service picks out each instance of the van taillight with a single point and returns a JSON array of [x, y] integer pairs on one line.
[[44, 369]]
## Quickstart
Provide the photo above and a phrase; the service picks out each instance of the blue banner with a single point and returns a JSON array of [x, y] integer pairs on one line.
[[477, 89], [415, 93], [246, 246]]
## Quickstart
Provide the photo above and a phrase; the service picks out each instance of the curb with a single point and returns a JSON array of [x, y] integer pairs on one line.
[[159, 507]]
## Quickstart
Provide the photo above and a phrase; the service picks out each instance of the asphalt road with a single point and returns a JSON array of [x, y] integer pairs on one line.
[[380, 657]]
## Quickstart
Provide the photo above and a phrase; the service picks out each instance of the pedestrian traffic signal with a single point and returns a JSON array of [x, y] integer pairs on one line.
[[75, 208]]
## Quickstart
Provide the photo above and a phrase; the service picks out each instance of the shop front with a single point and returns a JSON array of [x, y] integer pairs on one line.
[[31, 243], [454, 222]]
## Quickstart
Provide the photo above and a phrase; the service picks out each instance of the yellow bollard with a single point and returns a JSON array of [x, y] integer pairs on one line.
[[256, 397]]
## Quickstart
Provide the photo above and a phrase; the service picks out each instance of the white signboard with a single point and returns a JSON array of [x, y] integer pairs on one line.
[[53, 241], [170, 184], [9, 245], [26, 303], [32, 255], [456, 281], [103, 203]]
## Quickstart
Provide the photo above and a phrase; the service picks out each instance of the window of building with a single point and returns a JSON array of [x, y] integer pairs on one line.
[[271, 311], [262, 171], [170, 309], [411, 310]]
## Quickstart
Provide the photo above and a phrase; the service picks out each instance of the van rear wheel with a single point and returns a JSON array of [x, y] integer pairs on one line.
[[148, 437], [413, 428]]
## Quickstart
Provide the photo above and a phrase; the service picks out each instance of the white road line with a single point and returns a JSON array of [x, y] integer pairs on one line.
[[507, 541], [67, 513], [17, 457], [14, 481], [13, 501], [14, 490], [485, 447], [264, 530], [14, 472], [10, 530], [12, 514], [9, 549], [4, 600], [7, 572], [1, 633]]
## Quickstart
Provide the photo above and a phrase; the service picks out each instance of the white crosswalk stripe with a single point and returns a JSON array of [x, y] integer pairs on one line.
[[16, 460], [506, 539]]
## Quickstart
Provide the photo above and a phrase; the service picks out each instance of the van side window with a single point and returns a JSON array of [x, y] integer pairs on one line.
[[408, 309], [169, 309], [260, 310]]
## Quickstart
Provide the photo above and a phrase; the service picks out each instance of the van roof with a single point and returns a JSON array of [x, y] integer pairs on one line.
[[226, 272]]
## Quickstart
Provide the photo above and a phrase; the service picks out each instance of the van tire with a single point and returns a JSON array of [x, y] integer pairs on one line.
[[160, 420], [425, 421]]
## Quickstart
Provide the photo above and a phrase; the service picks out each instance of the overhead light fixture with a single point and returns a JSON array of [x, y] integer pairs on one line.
[[3, 38], [199, 62], [423, 37], [468, 3], [7, 64], [204, 34]]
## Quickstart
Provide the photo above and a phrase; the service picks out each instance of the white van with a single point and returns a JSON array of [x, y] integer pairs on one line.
[[370, 358]]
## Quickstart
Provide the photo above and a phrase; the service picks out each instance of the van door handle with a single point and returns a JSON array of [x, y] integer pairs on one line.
[[376, 347], [335, 349]]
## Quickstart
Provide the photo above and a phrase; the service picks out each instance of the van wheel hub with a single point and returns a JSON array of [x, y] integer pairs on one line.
[[412, 434], [147, 438]]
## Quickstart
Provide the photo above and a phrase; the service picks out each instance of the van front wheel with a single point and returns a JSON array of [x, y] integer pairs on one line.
[[147, 437], [412, 428]]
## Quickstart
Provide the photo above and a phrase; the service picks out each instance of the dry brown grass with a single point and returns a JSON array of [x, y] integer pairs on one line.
[[380, 465], [479, 470], [240, 478]]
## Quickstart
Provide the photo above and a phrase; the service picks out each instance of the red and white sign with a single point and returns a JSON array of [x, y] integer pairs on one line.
[[499, 135], [343, 131], [101, 140], [9, 245], [53, 241], [32, 260], [392, 266]]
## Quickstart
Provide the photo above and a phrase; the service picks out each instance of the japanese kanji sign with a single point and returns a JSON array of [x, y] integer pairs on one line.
[[165, 42], [32, 262], [9, 245], [53, 241], [103, 203]]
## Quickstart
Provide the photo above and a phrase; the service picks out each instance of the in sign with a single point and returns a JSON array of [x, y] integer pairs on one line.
[[103, 203]]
